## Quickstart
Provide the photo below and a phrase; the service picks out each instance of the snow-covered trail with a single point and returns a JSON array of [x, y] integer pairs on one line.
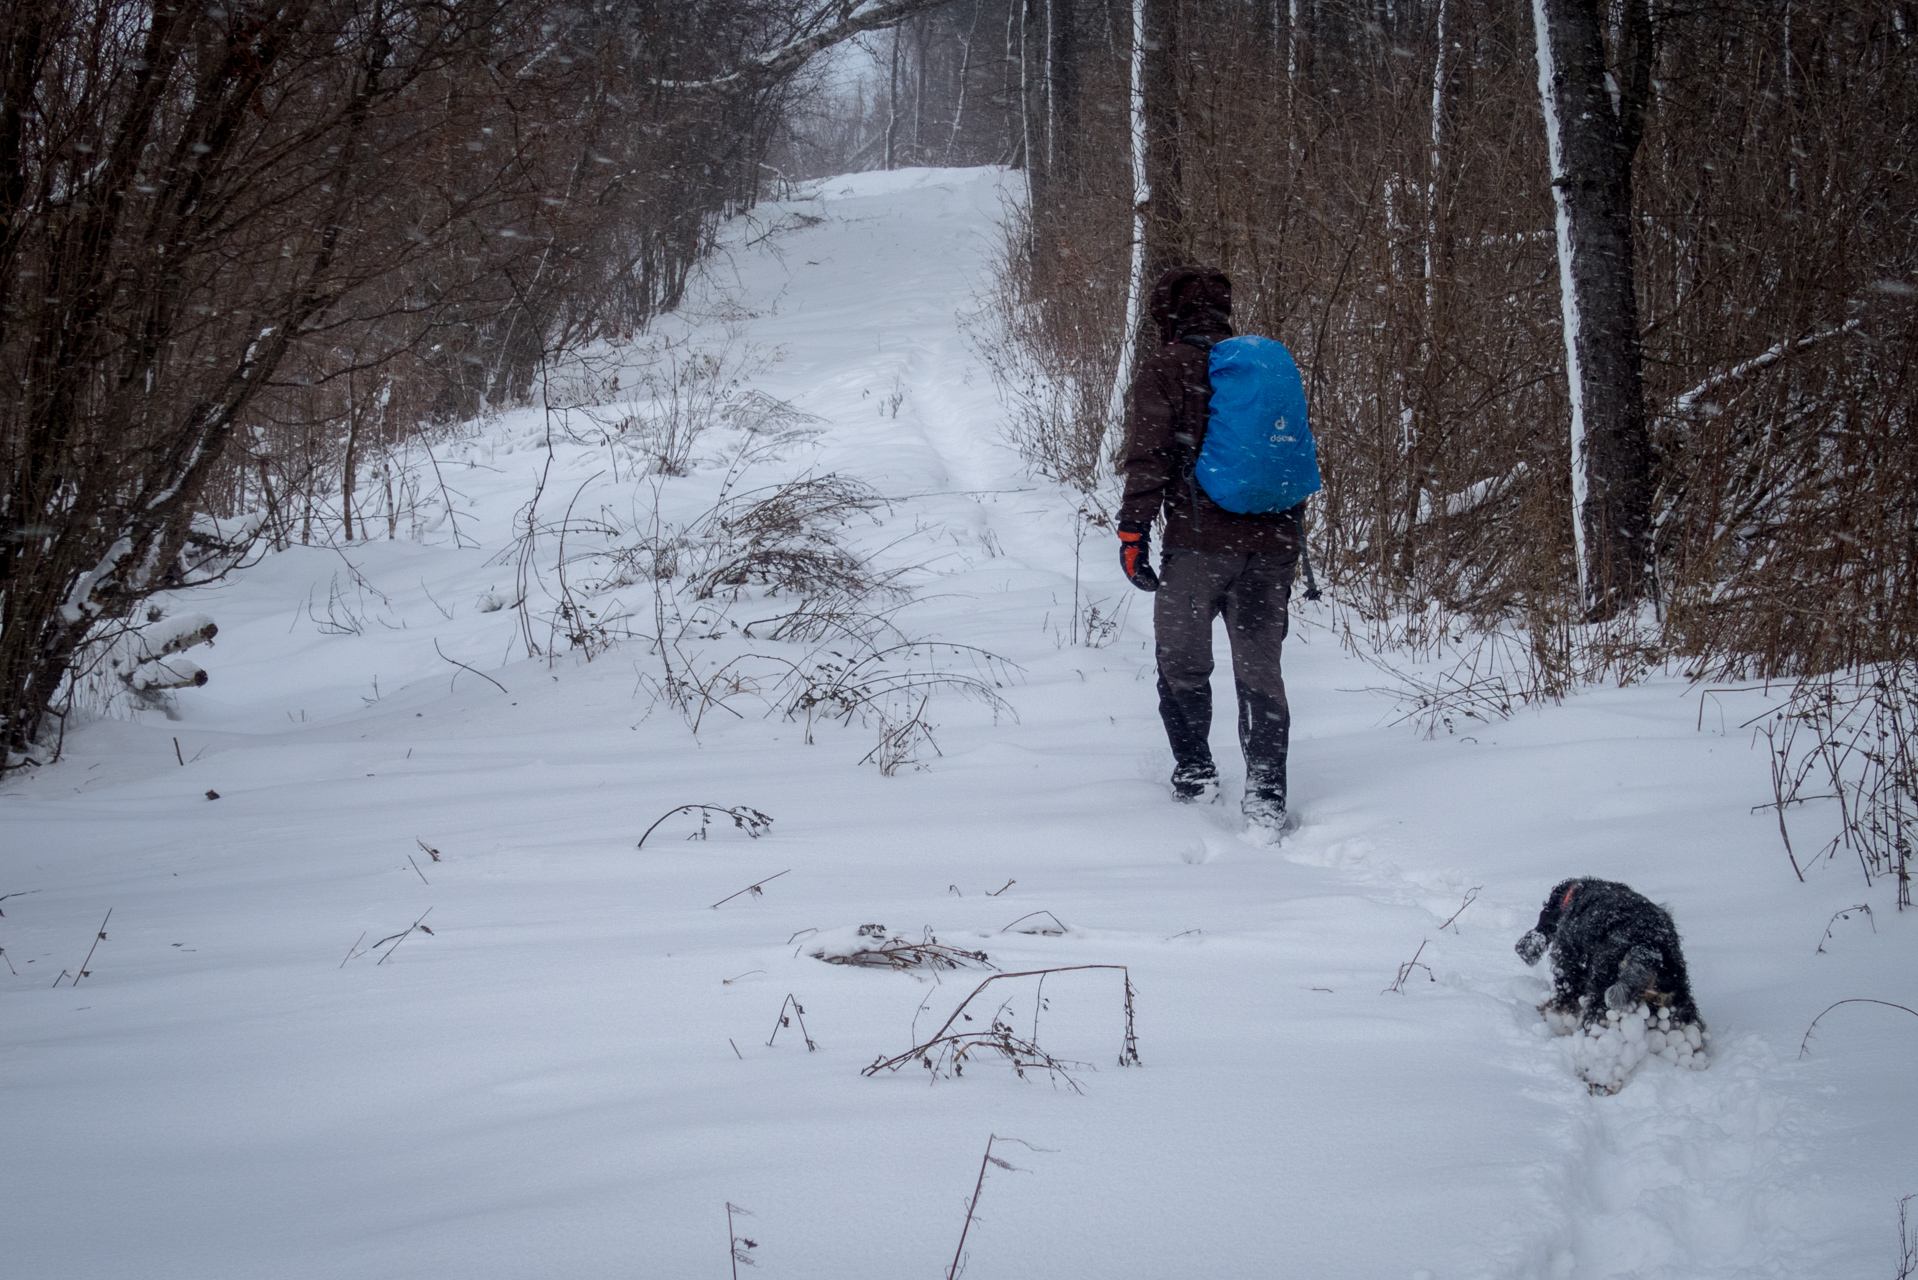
[[570, 1075]]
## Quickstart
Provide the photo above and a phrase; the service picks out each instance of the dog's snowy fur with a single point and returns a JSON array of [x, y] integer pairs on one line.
[[1619, 981]]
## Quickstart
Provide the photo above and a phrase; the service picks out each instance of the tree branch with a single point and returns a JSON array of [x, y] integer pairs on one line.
[[789, 57]]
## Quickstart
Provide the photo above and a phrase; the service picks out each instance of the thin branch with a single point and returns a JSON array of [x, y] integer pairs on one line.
[[456, 662], [99, 936], [1471, 896], [745, 817], [789, 57], [753, 888], [1805, 1044], [398, 938]]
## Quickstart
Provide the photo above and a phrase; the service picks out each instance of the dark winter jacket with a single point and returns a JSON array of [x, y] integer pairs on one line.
[[1192, 307]]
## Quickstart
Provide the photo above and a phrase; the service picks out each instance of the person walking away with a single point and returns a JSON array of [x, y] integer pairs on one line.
[[1218, 444]]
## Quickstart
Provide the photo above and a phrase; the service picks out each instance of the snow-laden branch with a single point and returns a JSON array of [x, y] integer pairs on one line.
[[789, 57], [1471, 497], [1770, 356]]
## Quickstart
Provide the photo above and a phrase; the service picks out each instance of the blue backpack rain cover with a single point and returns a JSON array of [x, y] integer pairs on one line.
[[1258, 456]]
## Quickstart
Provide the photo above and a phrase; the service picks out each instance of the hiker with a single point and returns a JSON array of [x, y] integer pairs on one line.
[[1237, 562]]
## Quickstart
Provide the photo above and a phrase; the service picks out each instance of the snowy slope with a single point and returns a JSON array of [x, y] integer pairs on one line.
[[570, 1075]]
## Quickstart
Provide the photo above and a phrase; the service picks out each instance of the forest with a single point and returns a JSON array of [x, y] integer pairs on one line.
[[573, 699], [250, 251]]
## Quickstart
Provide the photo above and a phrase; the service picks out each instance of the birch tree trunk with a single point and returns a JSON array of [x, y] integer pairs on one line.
[[892, 102], [1591, 135], [1165, 222], [1141, 198], [965, 66]]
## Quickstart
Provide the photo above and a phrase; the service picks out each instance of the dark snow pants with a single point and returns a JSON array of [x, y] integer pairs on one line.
[[1251, 590]]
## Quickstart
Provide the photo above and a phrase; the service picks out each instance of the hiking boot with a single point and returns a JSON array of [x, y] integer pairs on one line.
[[1195, 785], [1265, 819]]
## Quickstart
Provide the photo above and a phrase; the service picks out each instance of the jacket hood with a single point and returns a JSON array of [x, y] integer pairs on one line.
[[1192, 300]]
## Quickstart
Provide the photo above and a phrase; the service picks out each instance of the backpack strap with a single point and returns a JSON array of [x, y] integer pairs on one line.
[[1203, 342]]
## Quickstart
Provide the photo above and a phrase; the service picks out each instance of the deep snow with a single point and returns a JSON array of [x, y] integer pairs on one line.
[[570, 1076]]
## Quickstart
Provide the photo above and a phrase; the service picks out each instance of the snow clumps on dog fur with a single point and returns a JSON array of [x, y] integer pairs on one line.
[[1608, 1054]]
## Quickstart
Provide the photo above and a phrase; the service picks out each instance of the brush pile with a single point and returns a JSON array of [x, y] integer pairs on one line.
[[871, 947]]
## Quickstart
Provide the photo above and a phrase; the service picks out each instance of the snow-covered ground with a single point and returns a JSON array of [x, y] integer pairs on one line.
[[570, 1075]]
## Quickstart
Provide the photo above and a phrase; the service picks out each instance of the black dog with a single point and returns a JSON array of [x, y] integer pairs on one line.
[[1618, 978]]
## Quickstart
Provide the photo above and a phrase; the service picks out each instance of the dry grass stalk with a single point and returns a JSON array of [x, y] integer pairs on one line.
[[1405, 970], [1836, 916], [1907, 1243], [745, 818], [1056, 929], [947, 1051], [799, 1012], [972, 1205], [738, 1245]]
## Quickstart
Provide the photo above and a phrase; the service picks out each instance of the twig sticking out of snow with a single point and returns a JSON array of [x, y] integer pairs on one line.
[[19, 893], [1907, 1243], [99, 936], [1471, 896], [799, 1012], [1804, 1046], [745, 818], [753, 888], [1836, 916], [958, 1255], [948, 1050], [463, 667], [737, 1243], [1058, 925], [401, 936], [1405, 970]]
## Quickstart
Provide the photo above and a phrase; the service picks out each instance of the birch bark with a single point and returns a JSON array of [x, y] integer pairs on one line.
[[1141, 198]]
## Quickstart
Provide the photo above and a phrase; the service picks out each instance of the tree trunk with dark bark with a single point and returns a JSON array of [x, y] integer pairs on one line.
[[1593, 129], [1165, 222]]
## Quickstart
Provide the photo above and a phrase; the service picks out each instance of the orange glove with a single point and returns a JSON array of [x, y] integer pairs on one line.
[[1135, 556]]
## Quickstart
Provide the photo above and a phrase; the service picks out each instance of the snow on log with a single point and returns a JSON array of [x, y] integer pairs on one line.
[[167, 673], [171, 635], [145, 659], [1689, 401], [1470, 498]]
